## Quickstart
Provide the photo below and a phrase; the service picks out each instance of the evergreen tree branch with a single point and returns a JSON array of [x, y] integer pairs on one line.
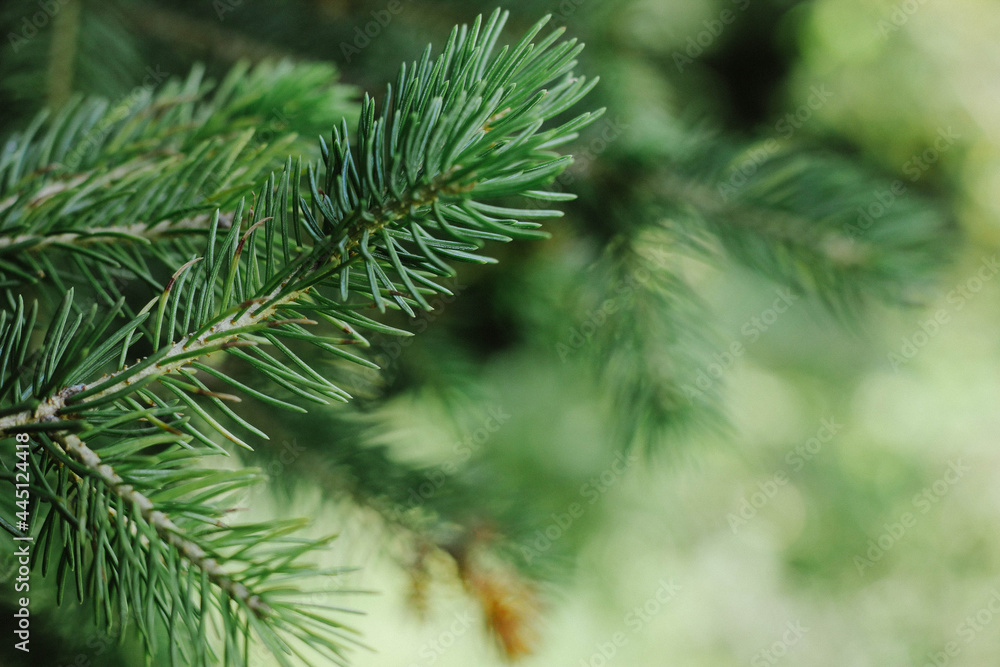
[[87, 47], [800, 219], [149, 535], [168, 531], [137, 232], [411, 190], [361, 217], [148, 161], [794, 216]]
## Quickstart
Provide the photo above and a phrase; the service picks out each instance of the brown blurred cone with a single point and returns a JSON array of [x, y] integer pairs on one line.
[[509, 601]]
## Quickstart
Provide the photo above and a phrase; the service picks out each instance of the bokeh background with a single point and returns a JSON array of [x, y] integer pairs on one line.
[[839, 506]]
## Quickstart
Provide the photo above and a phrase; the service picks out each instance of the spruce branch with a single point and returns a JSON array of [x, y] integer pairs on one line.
[[146, 535], [138, 232], [799, 219], [375, 223], [151, 167], [795, 216], [248, 293], [167, 530]]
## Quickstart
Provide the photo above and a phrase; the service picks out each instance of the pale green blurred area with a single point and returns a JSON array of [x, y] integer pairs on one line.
[[795, 559], [802, 560], [903, 77]]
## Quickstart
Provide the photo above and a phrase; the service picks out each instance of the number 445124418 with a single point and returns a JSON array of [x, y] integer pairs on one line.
[[22, 479]]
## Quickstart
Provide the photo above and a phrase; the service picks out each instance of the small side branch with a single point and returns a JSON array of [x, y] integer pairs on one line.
[[165, 528]]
